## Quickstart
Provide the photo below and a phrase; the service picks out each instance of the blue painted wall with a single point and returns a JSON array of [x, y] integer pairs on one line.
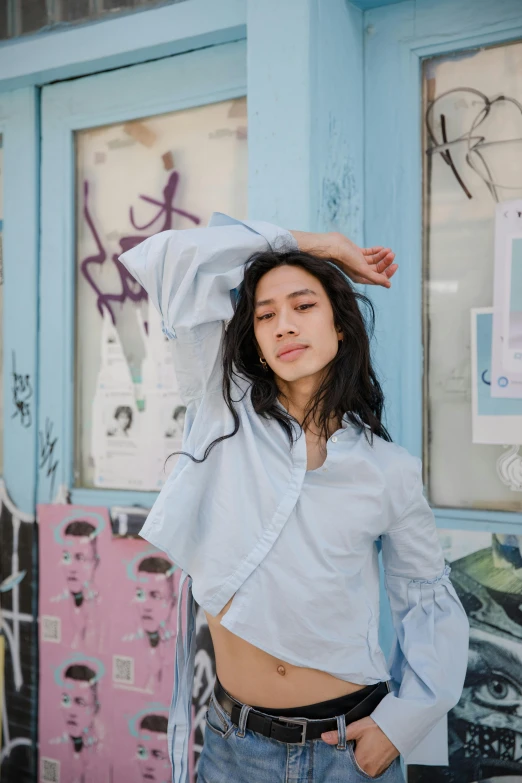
[[334, 144]]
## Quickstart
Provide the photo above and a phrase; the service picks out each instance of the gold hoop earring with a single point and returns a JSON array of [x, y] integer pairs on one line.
[[263, 363]]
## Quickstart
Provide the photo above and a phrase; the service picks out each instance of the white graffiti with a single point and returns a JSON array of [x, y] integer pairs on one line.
[[10, 620]]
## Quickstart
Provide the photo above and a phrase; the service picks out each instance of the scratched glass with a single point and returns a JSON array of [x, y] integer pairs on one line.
[[472, 142], [135, 179], [1, 311]]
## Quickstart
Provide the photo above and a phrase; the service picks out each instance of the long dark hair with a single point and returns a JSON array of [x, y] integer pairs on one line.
[[349, 385]]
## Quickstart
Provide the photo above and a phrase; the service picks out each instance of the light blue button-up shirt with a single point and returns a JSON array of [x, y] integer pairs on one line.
[[297, 548]]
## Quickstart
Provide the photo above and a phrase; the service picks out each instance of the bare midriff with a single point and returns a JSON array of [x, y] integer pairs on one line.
[[255, 677]]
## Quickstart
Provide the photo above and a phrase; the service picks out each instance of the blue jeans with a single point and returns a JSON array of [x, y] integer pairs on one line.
[[233, 756]]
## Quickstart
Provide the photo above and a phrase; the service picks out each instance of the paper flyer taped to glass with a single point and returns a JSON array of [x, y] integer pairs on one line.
[[506, 378]]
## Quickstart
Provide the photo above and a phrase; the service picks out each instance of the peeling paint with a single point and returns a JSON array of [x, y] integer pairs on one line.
[[341, 197]]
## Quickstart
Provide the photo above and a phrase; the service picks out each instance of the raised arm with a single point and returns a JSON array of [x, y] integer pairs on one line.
[[189, 275], [431, 653]]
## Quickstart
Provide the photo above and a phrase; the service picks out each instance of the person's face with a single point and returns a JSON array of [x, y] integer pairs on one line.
[[153, 759], [306, 318], [123, 419], [79, 562], [154, 601], [78, 707]]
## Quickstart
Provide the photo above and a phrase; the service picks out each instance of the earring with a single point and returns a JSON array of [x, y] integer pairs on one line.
[[264, 363]]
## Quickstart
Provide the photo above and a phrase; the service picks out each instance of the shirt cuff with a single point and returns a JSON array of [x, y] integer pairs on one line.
[[409, 726]]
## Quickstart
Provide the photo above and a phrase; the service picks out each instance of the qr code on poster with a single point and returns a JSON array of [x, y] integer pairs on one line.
[[50, 770], [51, 629], [123, 669]]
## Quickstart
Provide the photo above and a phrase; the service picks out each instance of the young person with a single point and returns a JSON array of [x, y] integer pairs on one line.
[[287, 488]]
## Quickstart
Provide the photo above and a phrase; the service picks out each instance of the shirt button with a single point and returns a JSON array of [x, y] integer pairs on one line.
[[334, 438]]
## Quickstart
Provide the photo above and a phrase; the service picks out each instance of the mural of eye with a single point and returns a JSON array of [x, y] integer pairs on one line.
[[142, 753], [498, 691], [140, 594], [66, 557], [66, 700]]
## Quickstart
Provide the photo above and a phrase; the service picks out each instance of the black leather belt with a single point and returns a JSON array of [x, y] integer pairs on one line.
[[302, 729]]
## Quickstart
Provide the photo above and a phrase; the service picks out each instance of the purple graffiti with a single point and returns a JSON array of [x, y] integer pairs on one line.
[[130, 289]]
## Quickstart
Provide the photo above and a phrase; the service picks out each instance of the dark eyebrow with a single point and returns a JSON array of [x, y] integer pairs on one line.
[[293, 295]]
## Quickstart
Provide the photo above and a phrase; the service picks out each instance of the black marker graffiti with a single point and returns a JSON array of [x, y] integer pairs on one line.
[[22, 393], [474, 141], [46, 454]]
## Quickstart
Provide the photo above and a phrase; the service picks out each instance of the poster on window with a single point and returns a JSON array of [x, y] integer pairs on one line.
[[108, 609], [136, 428], [507, 321], [485, 727], [495, 420]]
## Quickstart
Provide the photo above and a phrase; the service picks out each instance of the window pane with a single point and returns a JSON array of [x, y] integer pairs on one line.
[[118, 5], [133, 180], [1, 310], [74, 10], [33, 15], [473, 162], [4, 30], [29, 16]]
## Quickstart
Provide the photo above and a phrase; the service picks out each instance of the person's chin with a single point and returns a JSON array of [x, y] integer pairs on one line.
[[295, 371]]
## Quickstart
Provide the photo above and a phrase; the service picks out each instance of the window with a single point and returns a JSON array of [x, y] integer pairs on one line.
[[472, 163], [18, 17], [134, 180]]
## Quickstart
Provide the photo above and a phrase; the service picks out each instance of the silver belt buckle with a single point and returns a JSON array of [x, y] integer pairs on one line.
[[299, 722]]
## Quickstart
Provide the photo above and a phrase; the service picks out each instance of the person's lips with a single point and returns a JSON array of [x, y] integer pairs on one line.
[[291, 351]]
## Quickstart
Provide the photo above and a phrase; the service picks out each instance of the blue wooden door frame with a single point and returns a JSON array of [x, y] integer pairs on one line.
[[187, 80], [19, 119], [397, 39]]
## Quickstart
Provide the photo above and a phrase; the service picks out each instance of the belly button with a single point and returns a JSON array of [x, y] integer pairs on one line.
[[281, 670]]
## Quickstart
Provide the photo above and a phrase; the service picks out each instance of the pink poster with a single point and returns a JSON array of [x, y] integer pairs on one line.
[[107, 639]]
